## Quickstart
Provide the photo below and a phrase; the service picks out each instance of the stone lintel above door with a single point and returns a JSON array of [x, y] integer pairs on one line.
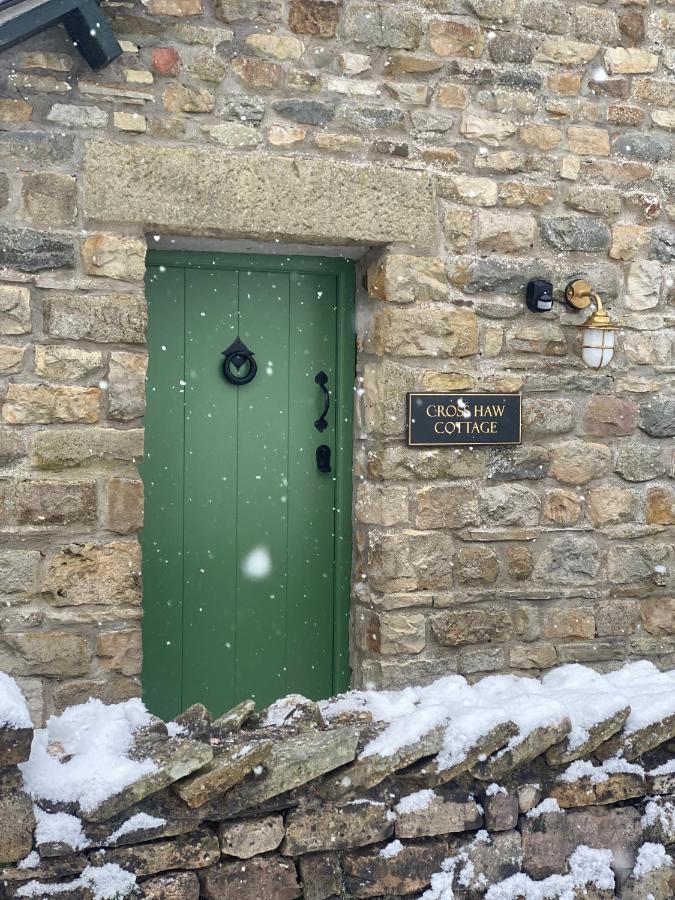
[[214, 192]]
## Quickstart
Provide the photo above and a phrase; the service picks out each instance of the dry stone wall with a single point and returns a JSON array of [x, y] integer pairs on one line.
[[477, 144], [283, 805]]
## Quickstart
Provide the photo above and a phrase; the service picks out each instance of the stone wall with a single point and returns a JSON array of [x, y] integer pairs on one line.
[[241, 809], [472, 144]]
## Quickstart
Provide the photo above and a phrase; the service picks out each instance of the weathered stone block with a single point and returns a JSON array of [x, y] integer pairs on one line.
[[321, 876], [173, 886], [189, 851], [436, 332], [472, 626], [264, 876], [114, 256], [124, 505], [409, 560], [120, 650], [571, 233], [367, 874], [335, 827], [318, 17], [27, 404], [250, 837], [58, 449], [118, 318], [52, 653], [32, 251], [607, 415], [512, 504], [126, 391], [401, 278], [15, 317], [571, 559], [317, 199], [37, 502], [94, 574], [578, 462], [445, 506], [60, 363], [637, 461], [441, 816], [455, 38], [629, 564], [49, 198], [16, 826]]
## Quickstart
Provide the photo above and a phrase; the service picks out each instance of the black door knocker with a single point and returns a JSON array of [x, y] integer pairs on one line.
[[237, 355]]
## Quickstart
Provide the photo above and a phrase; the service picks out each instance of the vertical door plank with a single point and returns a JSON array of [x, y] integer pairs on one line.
[[263, 489], [210, 491], [162, 473], [311, 494]]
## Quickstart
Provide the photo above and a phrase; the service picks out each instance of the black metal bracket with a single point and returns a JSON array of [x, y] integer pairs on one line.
[[87, 26]]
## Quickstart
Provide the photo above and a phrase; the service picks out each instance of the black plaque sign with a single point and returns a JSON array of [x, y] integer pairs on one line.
[[452, 420]]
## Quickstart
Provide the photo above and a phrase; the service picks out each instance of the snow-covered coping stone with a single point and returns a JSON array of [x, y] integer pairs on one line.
[[500, 789]]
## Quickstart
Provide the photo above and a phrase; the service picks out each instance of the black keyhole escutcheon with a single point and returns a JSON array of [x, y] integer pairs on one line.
[[323, 458]]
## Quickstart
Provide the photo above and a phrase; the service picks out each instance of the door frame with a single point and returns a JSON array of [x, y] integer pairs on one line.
[[344, 271]]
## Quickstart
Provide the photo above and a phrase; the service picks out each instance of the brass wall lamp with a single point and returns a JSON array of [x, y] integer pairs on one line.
[[598, 332]]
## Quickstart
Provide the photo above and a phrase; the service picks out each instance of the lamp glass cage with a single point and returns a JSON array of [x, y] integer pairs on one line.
[[597, 347]]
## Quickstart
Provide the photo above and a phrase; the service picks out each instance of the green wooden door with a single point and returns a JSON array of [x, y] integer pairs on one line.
[[246, 544]]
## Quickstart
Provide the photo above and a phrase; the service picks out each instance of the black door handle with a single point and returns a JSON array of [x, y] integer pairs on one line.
[[323, 458], [322, 380]]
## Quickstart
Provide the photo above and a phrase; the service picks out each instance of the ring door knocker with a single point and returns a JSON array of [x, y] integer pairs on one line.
[[323, 450], [237, 355]]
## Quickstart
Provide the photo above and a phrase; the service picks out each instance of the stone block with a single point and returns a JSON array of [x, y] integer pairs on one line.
[[568, 559], [57, 448], [250, 837], [51, 653], [165, 60], [126, 391], [27, 404], [578, 462], [189, 851], [427, 331], [178, 98], [561, 507], [660, 508], [445, 506], [319, 17], [505, 232], [401, 278], [610, 506], [254, 879], [399, 463], [368, 874], [317, 200], [409, 561], [335, 827], [440, 816], [657, 615], [172, 886], [36, 146], [490, 131], [15, 315], [657, 417], [472, 626], [38, 502], [97, 574], [321, 876], [33, 251], [49, 198], [610, 416], [587, 141], [105, 318], [639, 461], [512, 504], [449, 37], [401, 632], [18, 571], [501, 811], [11, 359], [114, 256], [565, 52], [630, 61], [16, 826], [572, 233], [58, 363], [629, 564], [120, 650], [643, 284], [124, 505]]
